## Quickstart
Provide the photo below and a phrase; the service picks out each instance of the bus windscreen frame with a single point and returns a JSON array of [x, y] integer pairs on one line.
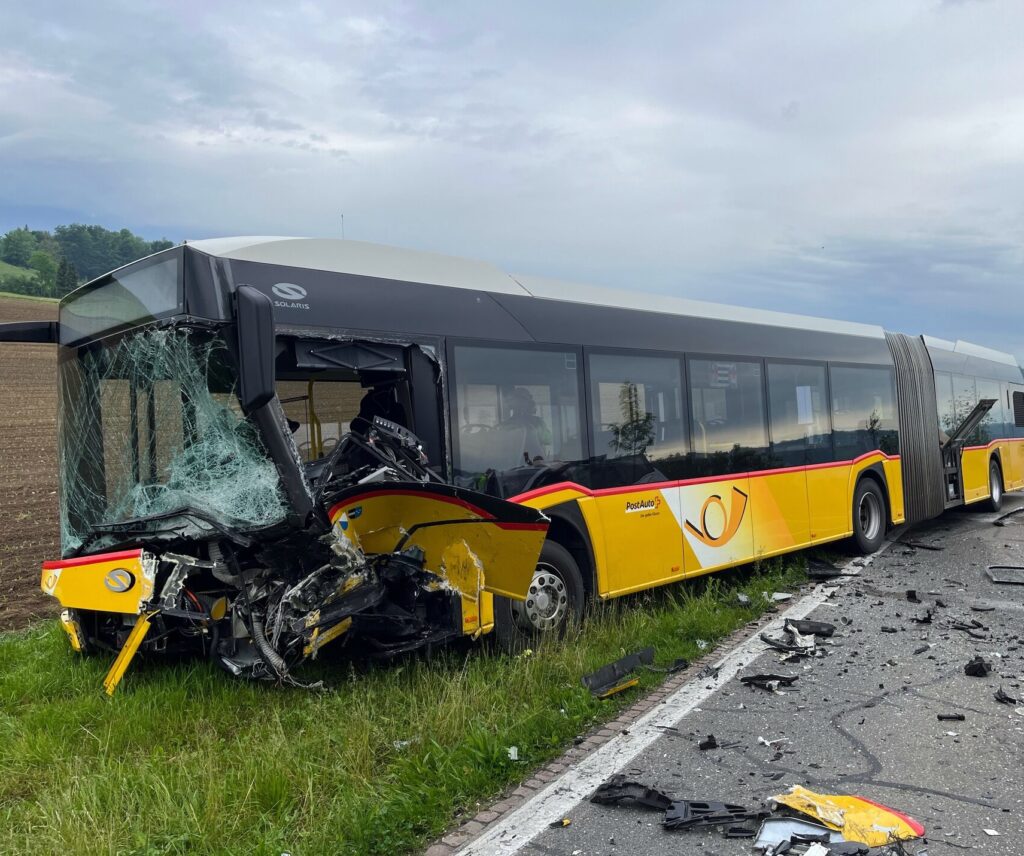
[[136, 294]]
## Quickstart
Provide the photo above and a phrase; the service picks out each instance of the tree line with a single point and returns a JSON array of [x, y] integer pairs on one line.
[[53, 263]]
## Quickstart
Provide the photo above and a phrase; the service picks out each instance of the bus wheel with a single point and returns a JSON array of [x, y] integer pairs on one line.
[[555, 598], [995, 487], [868, 516]]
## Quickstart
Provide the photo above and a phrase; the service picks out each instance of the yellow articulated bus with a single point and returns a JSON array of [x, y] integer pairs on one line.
[[268, 445]]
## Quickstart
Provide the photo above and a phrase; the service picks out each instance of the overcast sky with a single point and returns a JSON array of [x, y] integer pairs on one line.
[[856, 160]]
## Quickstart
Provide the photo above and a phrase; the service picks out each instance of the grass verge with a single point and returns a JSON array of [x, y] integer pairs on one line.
[[185, 760]]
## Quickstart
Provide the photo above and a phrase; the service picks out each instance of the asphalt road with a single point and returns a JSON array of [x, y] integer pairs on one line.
[[863, 719]]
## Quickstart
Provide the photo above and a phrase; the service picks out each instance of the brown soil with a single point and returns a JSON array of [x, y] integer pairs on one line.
[[28, 467]]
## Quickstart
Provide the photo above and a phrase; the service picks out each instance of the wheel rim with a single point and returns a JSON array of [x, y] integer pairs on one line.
[[870, 512], [546, 604], [995, 484]]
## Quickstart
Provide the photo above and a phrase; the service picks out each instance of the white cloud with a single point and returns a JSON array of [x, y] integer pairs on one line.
[[857, 160]]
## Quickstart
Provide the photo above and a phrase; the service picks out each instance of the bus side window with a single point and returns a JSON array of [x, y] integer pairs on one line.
[[636, 419], [863, 411], [728, 413], [798, 404], [991, 427], [965, 396], [515, 409], [944, 402]]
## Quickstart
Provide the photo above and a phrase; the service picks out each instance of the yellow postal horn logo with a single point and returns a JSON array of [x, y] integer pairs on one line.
[[731, 519]]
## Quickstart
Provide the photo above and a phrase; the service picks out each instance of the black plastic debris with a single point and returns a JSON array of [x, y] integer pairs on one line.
[[975, 629], [561, 823], [614, 677], [1003, 697], [1006, 574], [919, 545], [912, 596], [708, 742], [978, 668], [886, 629], [676, 665], [921, 649], [740, 832], [950, 717], [819, 570], [924, 619], [708, 672], [769, 682], [787, 647], [691, 814], [618, 790], [811, 628]]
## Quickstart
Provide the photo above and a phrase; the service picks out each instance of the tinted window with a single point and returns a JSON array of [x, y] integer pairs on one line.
[[636, 418], [798, 406], [727, 407], [517, 413], [944, 402], [964, 398], [991, 427], [1018, 412], [863, 411]]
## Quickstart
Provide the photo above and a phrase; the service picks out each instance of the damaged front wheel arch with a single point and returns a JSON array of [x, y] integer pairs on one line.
[[517, 625]]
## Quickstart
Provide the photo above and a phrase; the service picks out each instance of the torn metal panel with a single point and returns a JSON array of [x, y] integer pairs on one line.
[[857, 818]]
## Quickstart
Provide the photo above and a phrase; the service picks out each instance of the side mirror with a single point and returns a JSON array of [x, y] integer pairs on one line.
[[254, 314]]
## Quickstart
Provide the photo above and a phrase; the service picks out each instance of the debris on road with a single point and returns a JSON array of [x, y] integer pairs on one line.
[[614, 678], [856, 818], [781, 596], [773, 744], [978, 668], [690, 814], [819, 570], [708, 742], [513, 753], [1003, 698], [1006, 574], [811, 628], [618, 790], [950, 717], [782, 830], [561, 823], [912, 596], [919, 545], [770, 682]]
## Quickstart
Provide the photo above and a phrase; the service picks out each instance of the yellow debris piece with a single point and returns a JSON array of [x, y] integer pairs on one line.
[[857, 818], [124, 656]]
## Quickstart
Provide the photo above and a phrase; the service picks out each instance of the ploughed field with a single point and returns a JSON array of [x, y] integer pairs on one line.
[[28, 466]]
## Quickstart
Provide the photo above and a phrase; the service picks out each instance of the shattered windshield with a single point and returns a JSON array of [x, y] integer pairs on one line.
[[150, 424]]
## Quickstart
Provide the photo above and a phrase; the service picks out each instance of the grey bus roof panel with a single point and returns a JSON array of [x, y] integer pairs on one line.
[[553, 289], [364, 259]]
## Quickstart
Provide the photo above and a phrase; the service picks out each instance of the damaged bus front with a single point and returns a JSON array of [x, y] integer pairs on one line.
[[197, 516]]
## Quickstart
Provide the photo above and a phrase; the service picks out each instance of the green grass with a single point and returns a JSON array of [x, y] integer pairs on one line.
[[29, 297], [184, 759]]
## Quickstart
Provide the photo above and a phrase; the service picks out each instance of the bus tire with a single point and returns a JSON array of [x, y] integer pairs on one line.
[[995, 486], [868, 516], [555, 599]]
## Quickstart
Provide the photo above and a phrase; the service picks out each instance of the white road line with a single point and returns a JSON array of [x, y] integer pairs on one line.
[[555, 801]]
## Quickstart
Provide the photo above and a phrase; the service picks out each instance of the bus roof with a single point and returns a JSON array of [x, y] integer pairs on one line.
[[377, 260], [360, 258]]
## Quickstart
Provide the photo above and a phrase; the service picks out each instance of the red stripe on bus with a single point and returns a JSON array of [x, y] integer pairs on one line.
[[91, 560], [613, 491], [451, 500], [993, 442]]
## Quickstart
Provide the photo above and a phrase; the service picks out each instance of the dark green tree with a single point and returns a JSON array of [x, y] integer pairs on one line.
[[17, 247], [46, 270]]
